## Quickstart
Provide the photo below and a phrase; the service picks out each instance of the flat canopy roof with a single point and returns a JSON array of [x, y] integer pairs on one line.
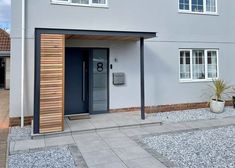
[[98, 34]]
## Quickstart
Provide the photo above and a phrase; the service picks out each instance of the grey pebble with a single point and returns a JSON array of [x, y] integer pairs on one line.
[[202, 148]]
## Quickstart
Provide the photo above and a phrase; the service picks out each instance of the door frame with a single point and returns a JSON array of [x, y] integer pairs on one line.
[[91, 81]]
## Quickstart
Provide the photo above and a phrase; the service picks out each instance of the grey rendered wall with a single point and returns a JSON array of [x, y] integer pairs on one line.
[[175, 30], [127, 56]]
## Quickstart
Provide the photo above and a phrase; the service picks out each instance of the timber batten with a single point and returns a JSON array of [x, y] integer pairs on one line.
[[51, 117]]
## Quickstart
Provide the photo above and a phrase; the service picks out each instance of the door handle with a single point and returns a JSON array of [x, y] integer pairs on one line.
[[84, 81]]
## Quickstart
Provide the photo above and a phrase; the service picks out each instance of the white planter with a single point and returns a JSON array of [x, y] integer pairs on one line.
[[217, 106]]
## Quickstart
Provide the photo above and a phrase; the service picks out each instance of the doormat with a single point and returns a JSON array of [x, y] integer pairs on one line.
[[79, 117]]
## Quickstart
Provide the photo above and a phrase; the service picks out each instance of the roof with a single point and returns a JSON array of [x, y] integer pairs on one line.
[[98, 34], [5, 42]]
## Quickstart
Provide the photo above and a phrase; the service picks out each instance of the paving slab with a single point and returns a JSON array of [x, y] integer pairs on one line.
[[29, 144], [110, 165], [115, 133], [148, 162], [80, 125], [134, 131], [119, 142], [58, 141], [157, 129], [133, 152], [100, 157], [90, 144]]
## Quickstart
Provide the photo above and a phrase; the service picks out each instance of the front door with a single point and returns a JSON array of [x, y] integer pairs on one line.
[[86, 81], [76, 81]]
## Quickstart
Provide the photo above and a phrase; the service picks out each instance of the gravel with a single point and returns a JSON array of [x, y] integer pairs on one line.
[[191, 115], [203, 148], [18, 133], [50, 158]]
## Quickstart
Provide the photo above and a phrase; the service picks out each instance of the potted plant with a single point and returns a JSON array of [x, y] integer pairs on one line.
[[221, 91]]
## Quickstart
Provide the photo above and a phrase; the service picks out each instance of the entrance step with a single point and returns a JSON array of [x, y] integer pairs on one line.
[[79, 117], [68, 131]]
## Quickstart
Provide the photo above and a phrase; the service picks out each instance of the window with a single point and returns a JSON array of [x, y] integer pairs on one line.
[[211, 6], [198, 6], [81, 2], [198, 64], [100, 3], [184, 4], [212, 64], [185, 65]]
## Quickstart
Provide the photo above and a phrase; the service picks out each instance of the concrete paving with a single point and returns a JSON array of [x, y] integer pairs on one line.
[[4, 124], [104, 122], [116, 148]]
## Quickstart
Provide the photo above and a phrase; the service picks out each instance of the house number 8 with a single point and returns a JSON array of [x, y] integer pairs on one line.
[[100, 67]]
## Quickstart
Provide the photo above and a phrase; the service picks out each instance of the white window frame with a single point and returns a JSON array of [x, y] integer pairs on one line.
[[91, 4], [204, 9], [206, 65]]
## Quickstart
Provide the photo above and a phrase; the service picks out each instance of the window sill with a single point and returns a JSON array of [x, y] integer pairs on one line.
[[80, 5], [196, 81], [198, 13]]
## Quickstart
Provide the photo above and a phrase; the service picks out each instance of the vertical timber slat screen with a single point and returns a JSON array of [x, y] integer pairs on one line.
[[52, 83]]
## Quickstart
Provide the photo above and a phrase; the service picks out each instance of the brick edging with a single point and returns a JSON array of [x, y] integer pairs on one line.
[[169, 107], [15, 121]]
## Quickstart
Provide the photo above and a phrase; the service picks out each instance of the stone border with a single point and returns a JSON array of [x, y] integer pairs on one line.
[[77, 156]]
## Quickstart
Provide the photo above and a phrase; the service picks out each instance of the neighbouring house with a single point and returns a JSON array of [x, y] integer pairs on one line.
[[5, 46], [99, 56]]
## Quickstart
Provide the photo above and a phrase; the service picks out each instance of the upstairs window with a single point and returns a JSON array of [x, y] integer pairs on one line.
[[198, 64], [103, 2], [211, 6], [99, 3], [198, 6], [80, 1], [184, 4]]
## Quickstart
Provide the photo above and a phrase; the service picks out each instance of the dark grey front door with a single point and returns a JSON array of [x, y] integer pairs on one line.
[[86, 81], [76, 81]]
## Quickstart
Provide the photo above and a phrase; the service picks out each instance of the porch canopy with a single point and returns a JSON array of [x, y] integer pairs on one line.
[[47, 42]]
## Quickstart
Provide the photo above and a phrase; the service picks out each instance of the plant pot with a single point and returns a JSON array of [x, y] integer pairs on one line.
[[217, 106]]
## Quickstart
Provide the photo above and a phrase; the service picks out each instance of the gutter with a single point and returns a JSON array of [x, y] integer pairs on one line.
[[5, 54], [22, 61]]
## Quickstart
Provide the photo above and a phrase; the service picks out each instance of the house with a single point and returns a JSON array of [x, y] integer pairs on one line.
[[97, 56], [5, 46]]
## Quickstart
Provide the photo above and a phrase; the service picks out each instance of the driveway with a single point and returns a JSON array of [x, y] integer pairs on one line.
[[4, 109], [4, 124]]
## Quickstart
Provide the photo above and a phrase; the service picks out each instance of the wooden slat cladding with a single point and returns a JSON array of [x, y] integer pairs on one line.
[[52, 83]]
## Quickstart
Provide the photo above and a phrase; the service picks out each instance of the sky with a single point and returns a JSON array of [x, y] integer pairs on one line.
[[5, 14]]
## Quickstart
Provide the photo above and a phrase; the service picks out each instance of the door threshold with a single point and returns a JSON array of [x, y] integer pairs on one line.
[[79, 116]]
